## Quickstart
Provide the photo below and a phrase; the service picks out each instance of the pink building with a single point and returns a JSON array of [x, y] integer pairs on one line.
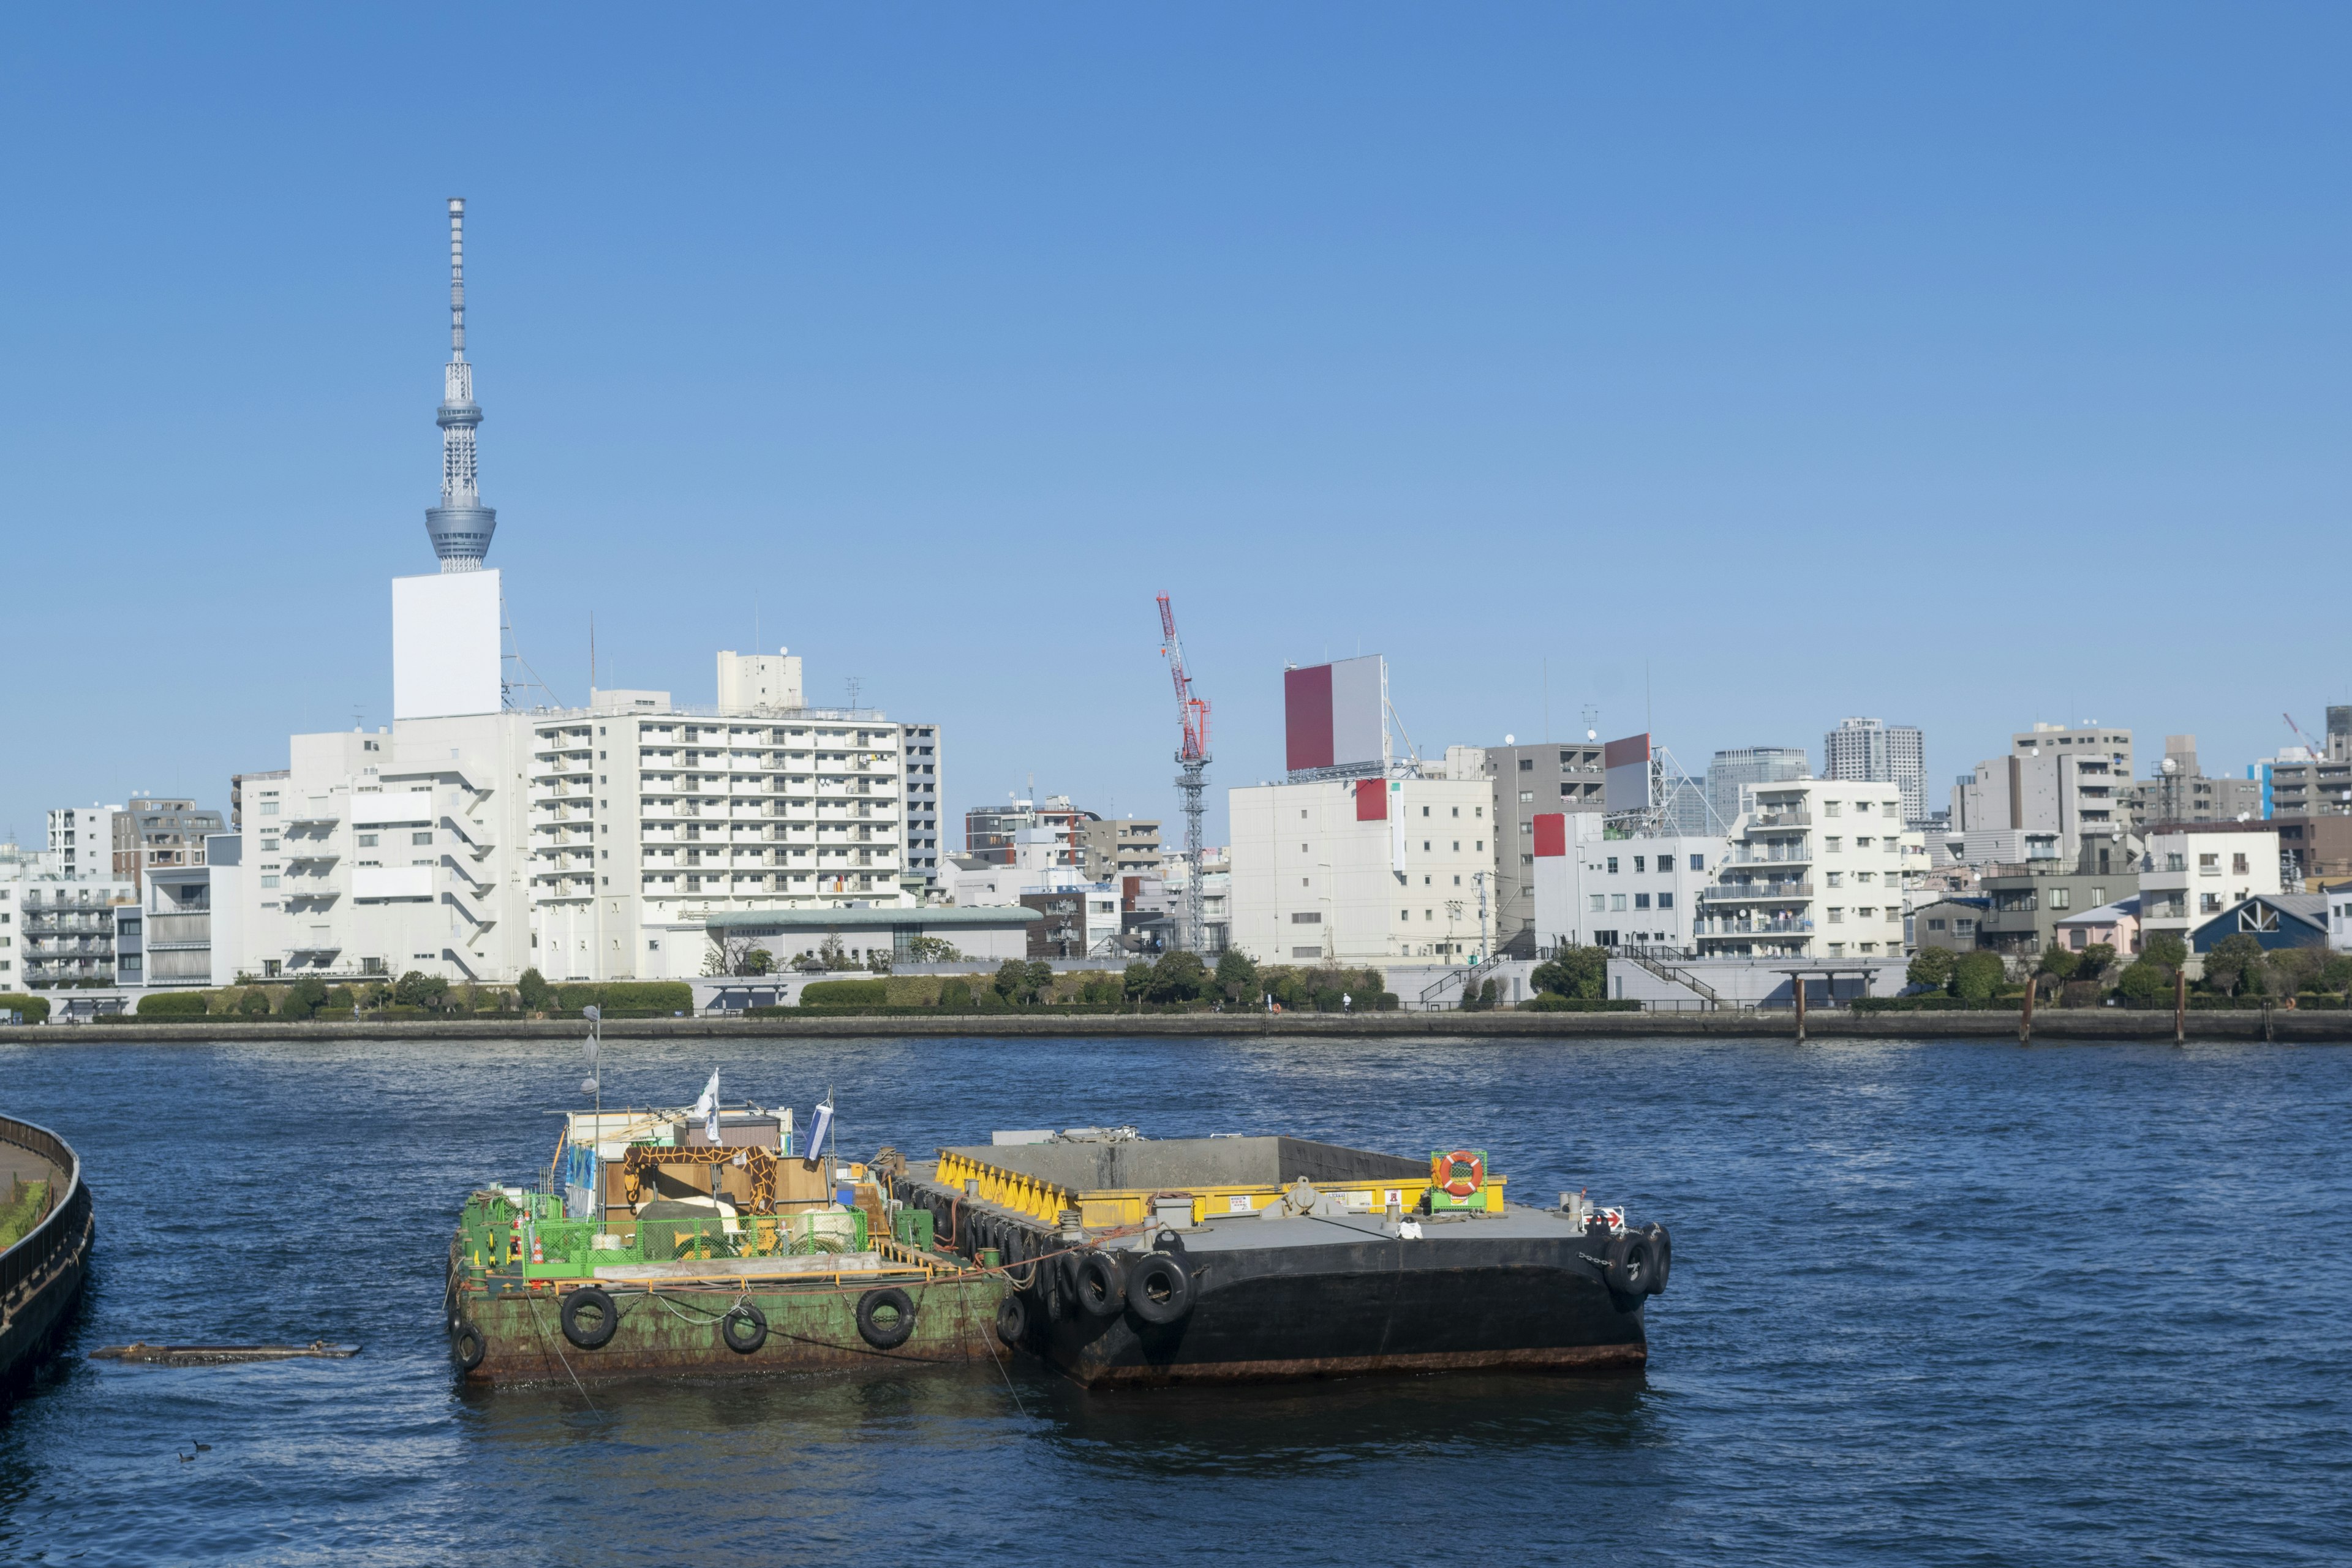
[[2117, 924]]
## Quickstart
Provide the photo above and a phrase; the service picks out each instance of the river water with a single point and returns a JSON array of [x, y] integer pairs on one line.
[[1932, 1303]]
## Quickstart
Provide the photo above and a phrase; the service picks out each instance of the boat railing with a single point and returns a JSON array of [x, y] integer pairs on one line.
[[59, 1229]]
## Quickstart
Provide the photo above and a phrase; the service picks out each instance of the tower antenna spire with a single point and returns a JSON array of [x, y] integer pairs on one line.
[[461, 526]]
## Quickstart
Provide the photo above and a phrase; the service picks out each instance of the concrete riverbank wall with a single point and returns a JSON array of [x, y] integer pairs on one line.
[[2050, 1025]]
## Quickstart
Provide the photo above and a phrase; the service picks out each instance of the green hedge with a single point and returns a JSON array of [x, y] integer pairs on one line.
[[172, 1005], [35, 1009], [846, 993], [655, 998], [1549, 1002]]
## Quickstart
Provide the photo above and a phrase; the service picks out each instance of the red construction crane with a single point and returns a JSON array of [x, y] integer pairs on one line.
[[1191, 712]]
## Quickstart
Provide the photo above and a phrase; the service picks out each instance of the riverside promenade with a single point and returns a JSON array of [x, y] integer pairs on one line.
[[2281, 1025]]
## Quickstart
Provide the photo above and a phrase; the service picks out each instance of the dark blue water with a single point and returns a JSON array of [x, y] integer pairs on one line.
[[1932, 1303]]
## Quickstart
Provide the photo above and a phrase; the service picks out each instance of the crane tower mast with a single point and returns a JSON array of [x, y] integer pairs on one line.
[[1193, 721]]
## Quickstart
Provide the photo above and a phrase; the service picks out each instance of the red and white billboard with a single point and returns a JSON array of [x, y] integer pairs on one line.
[[1332, 714], [1626, 774]]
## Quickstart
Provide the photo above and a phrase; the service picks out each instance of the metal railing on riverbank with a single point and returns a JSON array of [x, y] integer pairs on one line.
[[60, 1228]]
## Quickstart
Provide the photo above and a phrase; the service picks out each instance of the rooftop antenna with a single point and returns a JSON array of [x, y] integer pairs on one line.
[[461, 526], [856, 684]]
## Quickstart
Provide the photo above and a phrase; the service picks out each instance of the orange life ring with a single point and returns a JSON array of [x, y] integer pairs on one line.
[[1448, 1172]]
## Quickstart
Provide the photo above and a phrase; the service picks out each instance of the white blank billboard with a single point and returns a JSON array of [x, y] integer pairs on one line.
[[444, 645]]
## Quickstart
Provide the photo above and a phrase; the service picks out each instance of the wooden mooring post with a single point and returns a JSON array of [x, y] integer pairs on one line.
[[2025, 1018], [2180, 1007], [1798, 981]]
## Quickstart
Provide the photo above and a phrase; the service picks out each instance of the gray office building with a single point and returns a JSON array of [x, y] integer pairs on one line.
[[1727, 771], [1530, 780]]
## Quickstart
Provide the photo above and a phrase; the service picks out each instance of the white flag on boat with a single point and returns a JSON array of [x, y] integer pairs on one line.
[[708, 1108]]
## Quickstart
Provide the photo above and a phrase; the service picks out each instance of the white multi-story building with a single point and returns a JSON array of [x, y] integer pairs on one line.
[[2188, 877], [1814, 870], [590, 844], [1362, 871], [81, 842], [1593, 888]]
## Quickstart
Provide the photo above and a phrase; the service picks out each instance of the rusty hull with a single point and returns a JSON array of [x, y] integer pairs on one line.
[[675, 1330]]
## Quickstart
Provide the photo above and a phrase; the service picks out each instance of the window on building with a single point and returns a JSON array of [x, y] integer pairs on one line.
[[420, 837], [1640, 900], [2209, 903], [367, 841], [2209, 865], [1934, 925], [1526, 796], [2238, 865], [1568, 790], [1638, 864], [1964, 928], [1617, 901], [1837, 917], [2061, 897], [1527, 764], [1612, 865], [1665, 900], [1698, 862], [1832, 807], [1527, 829], [1832, 845], [1458, 811]]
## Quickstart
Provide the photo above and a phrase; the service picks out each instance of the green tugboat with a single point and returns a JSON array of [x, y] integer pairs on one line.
[[702, 1241]]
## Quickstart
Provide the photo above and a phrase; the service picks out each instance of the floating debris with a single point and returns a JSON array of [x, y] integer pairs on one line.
[[219, 1355]]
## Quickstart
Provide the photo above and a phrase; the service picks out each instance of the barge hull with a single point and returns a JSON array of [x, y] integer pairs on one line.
[[1464, 1299], [676, 1330]]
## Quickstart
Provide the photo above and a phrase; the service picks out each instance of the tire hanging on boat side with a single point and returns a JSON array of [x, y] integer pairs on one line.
[[744, 1328], [589, 1336], [466, 1346], [1101, 1285], [1632, 1264], [882, 1336], [1158, 1289], [1012, 1320], [1661, 1257]]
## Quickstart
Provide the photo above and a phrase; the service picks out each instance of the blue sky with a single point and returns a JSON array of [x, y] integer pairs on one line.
[[1743, 366]]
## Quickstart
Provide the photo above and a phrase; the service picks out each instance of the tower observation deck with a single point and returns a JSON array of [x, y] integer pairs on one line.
[[461, 526]]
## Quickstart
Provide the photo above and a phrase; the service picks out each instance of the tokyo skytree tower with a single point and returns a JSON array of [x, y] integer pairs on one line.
[[461, 525]]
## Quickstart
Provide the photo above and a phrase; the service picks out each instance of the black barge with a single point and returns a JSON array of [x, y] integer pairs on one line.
[[1155, 1261]]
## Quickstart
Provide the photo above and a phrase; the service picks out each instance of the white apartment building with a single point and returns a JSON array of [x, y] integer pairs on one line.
[[1362, 871], [60, 932], [380, 853], [590, 844], [646, 818], [2188, 877], [1594, 889], [1814, 870], [81, 842]]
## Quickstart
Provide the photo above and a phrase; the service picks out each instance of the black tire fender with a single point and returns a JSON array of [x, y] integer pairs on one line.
[[467, 1345], [1632, 1264], [1101, 1284], [744, 1328], [589, 1336], [1158, 1288], [880, 1335], [1012, 1320], [1661, 1257]]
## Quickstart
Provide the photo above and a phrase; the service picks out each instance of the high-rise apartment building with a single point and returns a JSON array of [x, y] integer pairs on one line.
[[1869, 751], [1729, 772], [2055, 788]]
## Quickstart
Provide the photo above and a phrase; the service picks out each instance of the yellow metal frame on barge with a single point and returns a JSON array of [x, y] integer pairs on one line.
[[1047, 1202]]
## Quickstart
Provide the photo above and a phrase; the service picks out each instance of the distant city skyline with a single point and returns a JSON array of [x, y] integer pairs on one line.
[[935, 352]]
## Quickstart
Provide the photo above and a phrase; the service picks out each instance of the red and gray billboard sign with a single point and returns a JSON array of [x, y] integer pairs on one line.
[[1331, 715], [1626, 772]]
